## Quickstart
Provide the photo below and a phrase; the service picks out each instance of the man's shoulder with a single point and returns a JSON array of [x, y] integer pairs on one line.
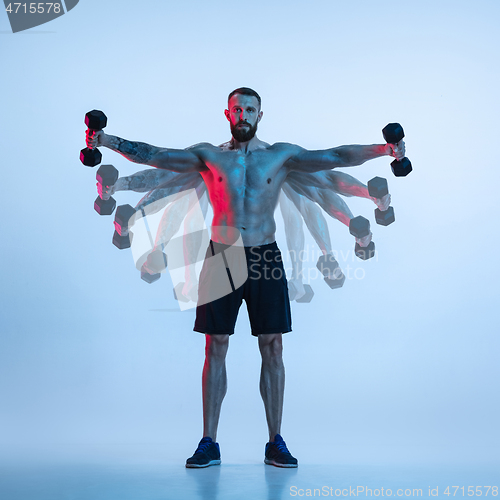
[[286, 148], [225, 146], [201, 146]]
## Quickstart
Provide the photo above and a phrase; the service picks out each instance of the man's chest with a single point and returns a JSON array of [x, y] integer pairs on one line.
[[251, 170]]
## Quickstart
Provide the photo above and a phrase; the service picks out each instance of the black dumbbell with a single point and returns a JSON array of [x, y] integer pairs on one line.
[[292, 292], [149, 278], [307, 297], [378, 188], [393, 133], [328, 266], [95, 120], [359, 227], [124, 219], [156, 262], [107, 175]]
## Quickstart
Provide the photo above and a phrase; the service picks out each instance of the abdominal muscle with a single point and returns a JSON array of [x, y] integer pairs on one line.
[[244, 196], [255, 230]]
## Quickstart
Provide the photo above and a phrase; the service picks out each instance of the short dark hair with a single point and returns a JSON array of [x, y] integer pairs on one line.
[[244, 91]]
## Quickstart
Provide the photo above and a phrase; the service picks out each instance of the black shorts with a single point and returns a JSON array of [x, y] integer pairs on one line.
[[265, 292]]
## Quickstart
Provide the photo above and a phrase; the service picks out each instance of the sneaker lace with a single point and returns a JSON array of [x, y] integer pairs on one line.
[[281, 446], [202, 447]]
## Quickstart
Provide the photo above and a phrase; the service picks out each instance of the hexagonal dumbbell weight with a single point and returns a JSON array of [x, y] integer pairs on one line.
[[308, 296], [393, 133], [149, 278], [292, 293], [95, 120], [378, 188], [359, 227], [107, 175], [329, 267], [156, 262], [124, 219]]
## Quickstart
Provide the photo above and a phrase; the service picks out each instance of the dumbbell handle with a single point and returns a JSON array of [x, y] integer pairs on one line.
[[393, 133], [380, 210], [103, 196], [107, 175], [92, 137], [378, 189], [107, 184]]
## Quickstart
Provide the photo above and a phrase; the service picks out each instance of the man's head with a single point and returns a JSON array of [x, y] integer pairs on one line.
[[243, 113]]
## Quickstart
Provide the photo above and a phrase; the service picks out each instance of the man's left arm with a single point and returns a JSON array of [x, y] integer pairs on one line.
[[342, 156]]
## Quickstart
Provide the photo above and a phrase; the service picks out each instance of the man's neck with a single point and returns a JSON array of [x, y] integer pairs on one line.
[[245, 147]]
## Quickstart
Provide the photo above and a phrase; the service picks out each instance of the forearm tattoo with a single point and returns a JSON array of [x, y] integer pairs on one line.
[[138, 152]]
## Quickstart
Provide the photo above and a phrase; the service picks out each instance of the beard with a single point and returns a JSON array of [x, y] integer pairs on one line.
[[243, 134]]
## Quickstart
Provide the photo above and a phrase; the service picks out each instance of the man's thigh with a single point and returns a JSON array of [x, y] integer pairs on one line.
[[266, 295]]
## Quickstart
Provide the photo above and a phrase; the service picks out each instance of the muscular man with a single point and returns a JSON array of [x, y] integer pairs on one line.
[[244, 177]]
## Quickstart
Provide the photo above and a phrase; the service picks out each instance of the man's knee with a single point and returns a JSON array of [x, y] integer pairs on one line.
[[216, 345], [271, 346]]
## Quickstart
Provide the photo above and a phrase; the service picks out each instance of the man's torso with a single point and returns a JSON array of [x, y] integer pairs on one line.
[[244, 188]]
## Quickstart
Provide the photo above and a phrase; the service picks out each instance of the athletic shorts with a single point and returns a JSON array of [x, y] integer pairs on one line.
[[265, 292]]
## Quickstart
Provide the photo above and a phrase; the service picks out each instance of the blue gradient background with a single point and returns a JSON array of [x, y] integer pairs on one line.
[[398, 367]]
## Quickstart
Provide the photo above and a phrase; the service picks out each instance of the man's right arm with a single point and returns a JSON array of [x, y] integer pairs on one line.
[[177, 160], [303, 160]]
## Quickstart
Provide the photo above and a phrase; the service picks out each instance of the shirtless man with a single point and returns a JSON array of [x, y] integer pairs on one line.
[[244, 178]]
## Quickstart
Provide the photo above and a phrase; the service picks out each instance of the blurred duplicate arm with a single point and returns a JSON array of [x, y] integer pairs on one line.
[[340, 183], [346, 184], [194, 228], [181, 203], [140, 182], [313, 217], [158, 198], [145, 180], [171, 220], [295, 240], [329, 201]]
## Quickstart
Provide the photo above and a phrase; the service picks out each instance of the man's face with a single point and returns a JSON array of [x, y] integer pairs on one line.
[[243, 114]]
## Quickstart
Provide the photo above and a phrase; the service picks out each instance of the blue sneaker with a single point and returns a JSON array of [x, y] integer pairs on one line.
[[207, 453], [277, 454]]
